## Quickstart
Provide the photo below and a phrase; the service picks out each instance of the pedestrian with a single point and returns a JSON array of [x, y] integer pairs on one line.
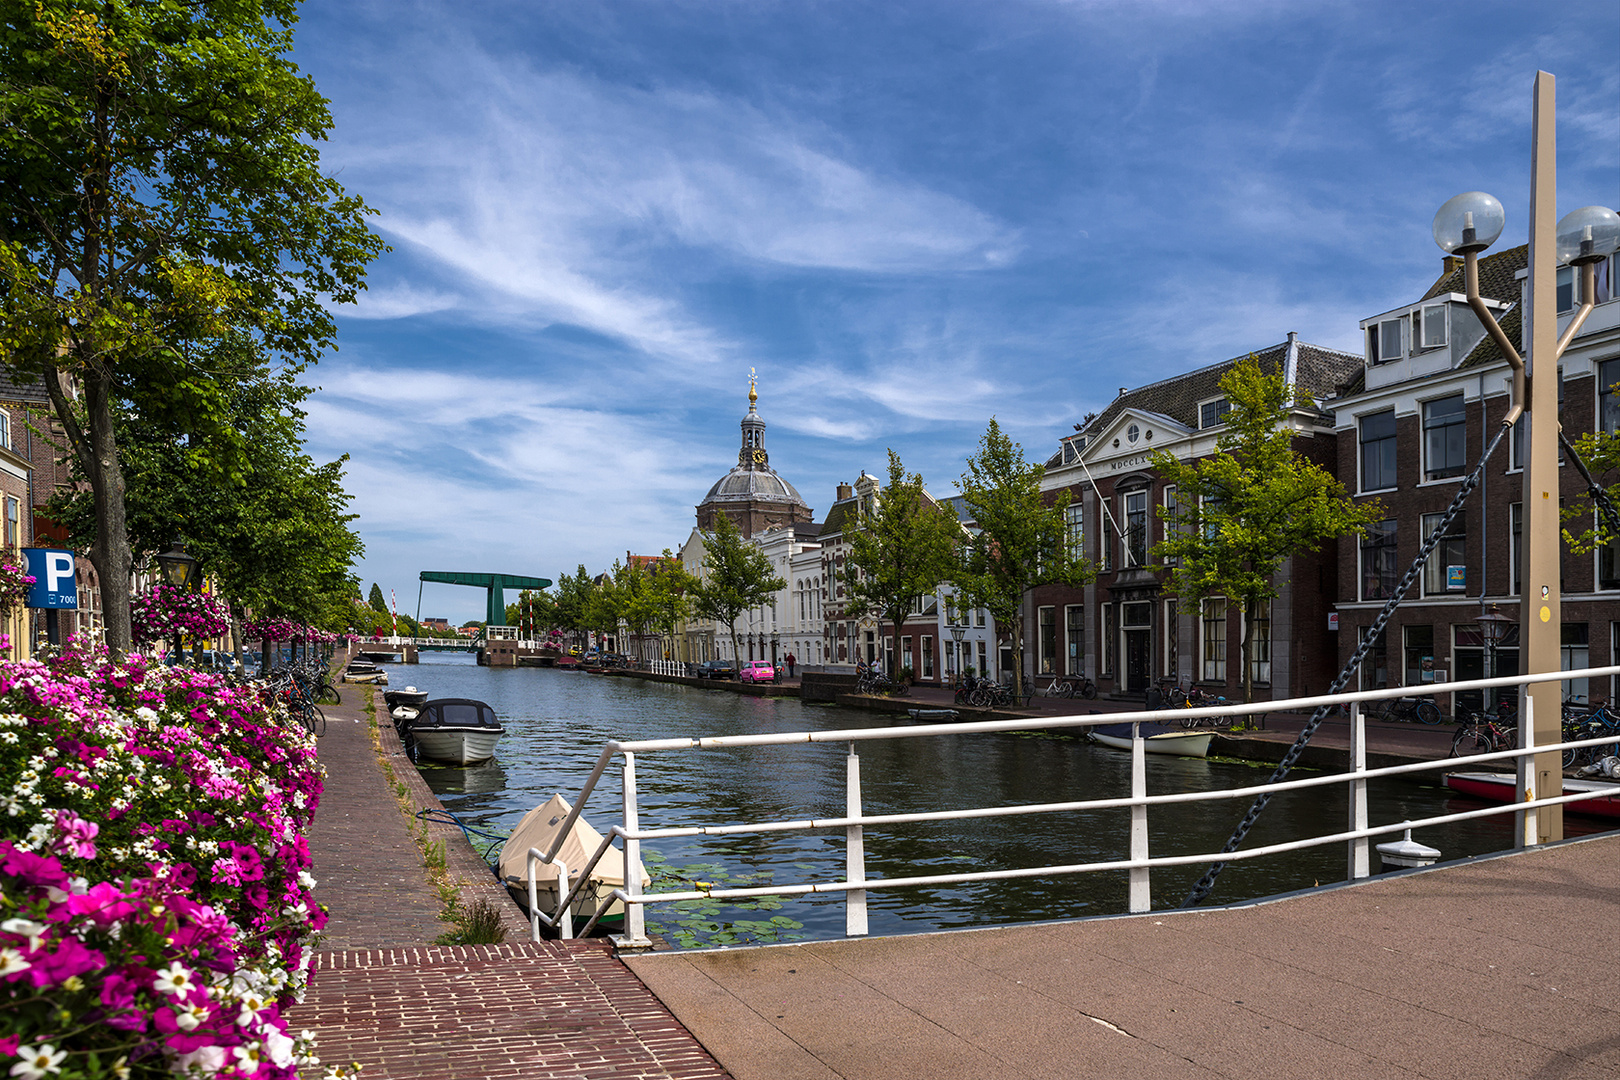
[[790, 662]]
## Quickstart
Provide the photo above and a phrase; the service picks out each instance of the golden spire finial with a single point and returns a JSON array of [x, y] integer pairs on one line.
[[753, 392]]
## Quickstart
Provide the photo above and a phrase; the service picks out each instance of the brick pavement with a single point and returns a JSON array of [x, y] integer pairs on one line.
[[382, 996]]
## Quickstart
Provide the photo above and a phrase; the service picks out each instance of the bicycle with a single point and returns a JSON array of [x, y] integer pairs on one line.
[[1171, 695], [1078, 686], [1407, 709], [1483, 733]]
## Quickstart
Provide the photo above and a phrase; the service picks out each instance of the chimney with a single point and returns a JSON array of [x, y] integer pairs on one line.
[[1122, 391], [1291, 362], [1450, 264], [845, 492]]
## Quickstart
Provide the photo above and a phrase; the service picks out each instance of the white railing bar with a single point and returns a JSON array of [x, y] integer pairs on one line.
[[714, 742], [562, 918], [602, 761]]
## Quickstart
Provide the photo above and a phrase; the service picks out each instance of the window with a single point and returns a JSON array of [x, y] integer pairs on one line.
[[1075, 616], [13, 532], [1608, 399], [984, 660], [1419, 651], [1379, 575], [1566, 289], [1378, 451], [1172, 640], [1136, 528], [927, 656], [1260, 645], [1375, 663], [1046, 630], [1515, 553], [906, 657], [1074, 520], [1434, 326], [1445, 432], [980, 612], [1446, 571], [1213, 413], [1385, 340], [1575, 655], [1168, 516], [1107, 640], [1105, 552], [5, 429], [1214, 639]]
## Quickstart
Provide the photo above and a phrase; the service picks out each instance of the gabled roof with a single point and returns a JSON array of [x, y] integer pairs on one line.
[[838, 516]]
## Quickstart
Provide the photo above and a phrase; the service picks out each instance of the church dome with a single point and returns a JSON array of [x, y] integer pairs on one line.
[[747, 482], [751, 494]]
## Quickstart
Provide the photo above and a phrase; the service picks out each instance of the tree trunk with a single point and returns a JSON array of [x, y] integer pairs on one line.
[[110, 553], [1018, 655]]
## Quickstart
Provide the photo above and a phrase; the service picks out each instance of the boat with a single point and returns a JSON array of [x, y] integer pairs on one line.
[[1503, 788], [362, 671], [539, 829], [408, 696], [458, 731], [932, 714], [1157, 738]]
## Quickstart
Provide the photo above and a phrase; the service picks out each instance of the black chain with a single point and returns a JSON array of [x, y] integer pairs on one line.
[[1206, 884], [1597, 494]]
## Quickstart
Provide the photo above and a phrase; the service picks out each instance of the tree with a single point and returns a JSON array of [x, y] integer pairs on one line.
[[160, 187], [1253, 503], [378, 604], [737, 576], [669, 595], [573, 593], [902, 549], [1022, 540]]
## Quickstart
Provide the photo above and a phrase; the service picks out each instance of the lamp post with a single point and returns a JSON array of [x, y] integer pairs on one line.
[[1466, 225], [1493, 627], [958, 632], [180, 570]]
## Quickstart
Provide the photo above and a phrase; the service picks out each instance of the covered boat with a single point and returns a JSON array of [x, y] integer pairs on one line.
[[1157, 739], [458, 731], [539, 829], [1502, 787]]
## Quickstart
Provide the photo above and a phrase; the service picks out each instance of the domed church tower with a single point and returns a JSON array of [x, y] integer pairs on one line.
[[751, 494]]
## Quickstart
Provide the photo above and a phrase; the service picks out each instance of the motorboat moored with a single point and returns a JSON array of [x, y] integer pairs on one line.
[[1503, 788], [457, 731], [539, 829], [1157, 739]]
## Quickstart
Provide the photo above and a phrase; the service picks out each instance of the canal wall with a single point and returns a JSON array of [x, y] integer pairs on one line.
[[735, 687]]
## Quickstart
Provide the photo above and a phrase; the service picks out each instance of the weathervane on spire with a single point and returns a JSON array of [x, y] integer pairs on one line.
[[753, 392]]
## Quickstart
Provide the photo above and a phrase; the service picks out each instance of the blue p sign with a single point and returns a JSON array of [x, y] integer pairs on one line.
[[54, 583]]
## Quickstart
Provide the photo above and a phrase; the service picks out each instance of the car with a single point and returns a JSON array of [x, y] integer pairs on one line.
[[758, 671], [716, 669]]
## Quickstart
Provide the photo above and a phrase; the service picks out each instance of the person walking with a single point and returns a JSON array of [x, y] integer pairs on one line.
[[790, 662]]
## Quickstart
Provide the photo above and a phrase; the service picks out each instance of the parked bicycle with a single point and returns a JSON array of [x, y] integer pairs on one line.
[[1079, 685], [988, 695], [1408, 709], [1483, 733]]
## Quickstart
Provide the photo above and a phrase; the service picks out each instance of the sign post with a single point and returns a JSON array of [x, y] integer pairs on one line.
[[55, 586]]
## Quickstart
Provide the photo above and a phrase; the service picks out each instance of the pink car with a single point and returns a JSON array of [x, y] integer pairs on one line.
[[758, 671]]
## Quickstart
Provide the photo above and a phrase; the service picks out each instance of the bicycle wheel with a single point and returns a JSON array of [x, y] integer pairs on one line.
[[1052, 689], [328, 694], [979, 699], [1469, 741], [1175, 699], [1089, 690], [1191, 722], [1428, 712], [962, 696], [316, 721]]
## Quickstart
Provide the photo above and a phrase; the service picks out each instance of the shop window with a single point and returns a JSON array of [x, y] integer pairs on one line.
[[1420, 660], [1374, 662]]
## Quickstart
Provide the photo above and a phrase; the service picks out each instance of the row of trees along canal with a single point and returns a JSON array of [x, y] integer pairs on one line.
[[169, 252], [1239, 513]]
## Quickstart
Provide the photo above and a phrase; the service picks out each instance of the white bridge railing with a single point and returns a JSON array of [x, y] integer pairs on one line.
[[1137, 861]]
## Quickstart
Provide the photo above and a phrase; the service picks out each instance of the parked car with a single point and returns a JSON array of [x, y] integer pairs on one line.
[[758, 671], [716, 669]]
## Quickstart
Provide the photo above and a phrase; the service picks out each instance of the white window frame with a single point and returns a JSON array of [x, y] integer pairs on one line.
[[1216, 400], [1168, 501], [1444, 309], [1127, 557], [1217, 664]]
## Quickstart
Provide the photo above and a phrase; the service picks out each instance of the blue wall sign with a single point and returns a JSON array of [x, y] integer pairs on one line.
[[54, 583], [1456, 578]]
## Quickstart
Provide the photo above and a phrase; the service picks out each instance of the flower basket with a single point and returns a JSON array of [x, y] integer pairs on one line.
[[164, 611], [15, 583]]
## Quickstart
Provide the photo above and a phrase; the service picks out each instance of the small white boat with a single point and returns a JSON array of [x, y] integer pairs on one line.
[[538, 830], [1156, 738], [458, 731]]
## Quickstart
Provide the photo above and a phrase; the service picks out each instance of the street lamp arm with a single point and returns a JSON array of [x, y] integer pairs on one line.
[[1492, 327], [1588, 289]]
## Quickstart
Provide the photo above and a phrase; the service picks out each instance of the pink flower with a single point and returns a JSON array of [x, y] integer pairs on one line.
[[69, 958], [75, 835]]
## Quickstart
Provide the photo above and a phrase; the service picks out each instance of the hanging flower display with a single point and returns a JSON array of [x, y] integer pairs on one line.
[[164, 611], [153, 860], [271, 628], [15, 582]]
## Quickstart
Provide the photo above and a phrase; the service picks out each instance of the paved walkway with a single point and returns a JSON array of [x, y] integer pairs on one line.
[[380, 994], [1488, 970]]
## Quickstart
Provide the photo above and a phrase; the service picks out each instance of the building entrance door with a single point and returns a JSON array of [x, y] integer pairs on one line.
[[1137, 624]]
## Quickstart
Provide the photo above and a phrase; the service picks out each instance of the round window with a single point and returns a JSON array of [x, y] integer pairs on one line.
[[1132, 433]]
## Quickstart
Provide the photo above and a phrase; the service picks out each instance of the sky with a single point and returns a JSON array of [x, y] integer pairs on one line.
[[907, 217]]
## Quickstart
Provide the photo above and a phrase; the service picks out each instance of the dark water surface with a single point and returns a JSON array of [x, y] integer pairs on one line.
[[556, 723]]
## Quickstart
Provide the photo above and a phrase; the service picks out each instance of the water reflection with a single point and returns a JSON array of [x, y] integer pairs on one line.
[[556, 723]]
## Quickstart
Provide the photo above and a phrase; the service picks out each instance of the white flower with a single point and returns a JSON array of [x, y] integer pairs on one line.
[[207, 1060], [280, 1048], [189, 1017], [35, 1061], [27, 928], [173, 980], [11, 962]]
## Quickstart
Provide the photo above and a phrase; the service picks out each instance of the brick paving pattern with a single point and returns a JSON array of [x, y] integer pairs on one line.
[[382, 996]]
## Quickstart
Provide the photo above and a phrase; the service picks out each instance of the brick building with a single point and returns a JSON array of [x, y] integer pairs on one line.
[[1412, 423], [1124, 630]]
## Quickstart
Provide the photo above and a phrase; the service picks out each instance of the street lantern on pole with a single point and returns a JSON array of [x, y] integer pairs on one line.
[[1467, 225], [1493, 627], [958, 632], [178, 567]]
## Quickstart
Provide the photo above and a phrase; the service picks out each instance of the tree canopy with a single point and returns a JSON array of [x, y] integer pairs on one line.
[[1253, 503], [901, 550], [160, 189], [737, 576]]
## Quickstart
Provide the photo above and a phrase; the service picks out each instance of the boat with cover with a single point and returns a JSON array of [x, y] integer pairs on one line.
[[458, 731], [538, 830], [1157, 739], [363, 671], [1502, 788], [404, 706]]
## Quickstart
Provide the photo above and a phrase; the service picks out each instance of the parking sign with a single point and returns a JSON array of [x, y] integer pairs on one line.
[[55, 585]]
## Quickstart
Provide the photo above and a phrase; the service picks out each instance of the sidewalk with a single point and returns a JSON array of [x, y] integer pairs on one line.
[[382, 995]]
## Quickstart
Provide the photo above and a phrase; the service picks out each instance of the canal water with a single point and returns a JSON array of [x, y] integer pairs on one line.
[[556, 723]]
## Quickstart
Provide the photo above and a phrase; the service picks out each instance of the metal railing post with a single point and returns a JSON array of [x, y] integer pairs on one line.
[[854, 849], [635, 914], [1141, 893], [1360, 862], [1527, 827]]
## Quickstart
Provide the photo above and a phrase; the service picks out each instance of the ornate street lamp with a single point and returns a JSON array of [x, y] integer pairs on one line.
[[1467, 225], [179, 568], [958, 632], [1493, 627]]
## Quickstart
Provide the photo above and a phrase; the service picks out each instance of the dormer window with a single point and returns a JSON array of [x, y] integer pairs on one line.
[[1386, 340], [1434, 325], [1213, 413]]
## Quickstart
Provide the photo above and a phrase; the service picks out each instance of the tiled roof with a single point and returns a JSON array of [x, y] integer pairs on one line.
[[24, 388], [837, 516], [1319, 372], [1488, 351], [1497, 276]]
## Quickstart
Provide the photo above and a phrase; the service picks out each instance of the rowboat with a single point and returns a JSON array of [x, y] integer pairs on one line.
[[1502, 788], [538, 830], [458, 731], [1157, 739]]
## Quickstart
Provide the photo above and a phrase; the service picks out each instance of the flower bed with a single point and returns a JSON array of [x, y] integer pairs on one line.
[[158, 913], [164, 611]]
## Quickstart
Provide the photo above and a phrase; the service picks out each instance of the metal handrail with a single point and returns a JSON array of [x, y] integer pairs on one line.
[[1139, 801]]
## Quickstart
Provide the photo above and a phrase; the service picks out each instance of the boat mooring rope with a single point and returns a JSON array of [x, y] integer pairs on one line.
[[445, 817], [1206, 884]]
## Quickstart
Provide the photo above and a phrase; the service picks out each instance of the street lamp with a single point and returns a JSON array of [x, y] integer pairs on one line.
[[179, 568], [958, 632], [1467, 225], [1493, 627]]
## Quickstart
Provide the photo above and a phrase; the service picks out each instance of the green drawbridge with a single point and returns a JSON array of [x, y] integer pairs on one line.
[[495, 584]]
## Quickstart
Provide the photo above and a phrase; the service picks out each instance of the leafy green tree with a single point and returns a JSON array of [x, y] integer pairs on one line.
[[605, 604], [901, 550], [376, 600], [670, 593], [1021, 542], [160, 187], [1253, 503], [737, 576], [573, 594]]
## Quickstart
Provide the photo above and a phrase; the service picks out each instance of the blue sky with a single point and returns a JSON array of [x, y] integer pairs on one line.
[[908, 217]]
